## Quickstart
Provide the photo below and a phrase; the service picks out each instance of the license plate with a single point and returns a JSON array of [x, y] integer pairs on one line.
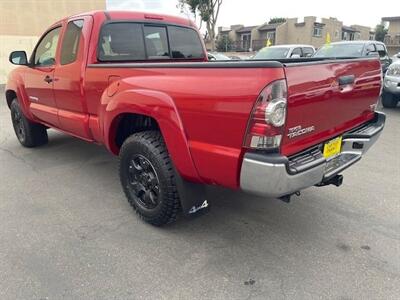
[[332, 147]]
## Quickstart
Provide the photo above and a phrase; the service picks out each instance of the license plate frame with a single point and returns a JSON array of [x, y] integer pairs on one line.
[[332, 148]]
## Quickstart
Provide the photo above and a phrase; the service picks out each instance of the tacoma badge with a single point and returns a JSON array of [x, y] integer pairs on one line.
[[298, 130]]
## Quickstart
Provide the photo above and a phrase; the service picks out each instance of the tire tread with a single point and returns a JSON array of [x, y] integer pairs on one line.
[[171, 207]]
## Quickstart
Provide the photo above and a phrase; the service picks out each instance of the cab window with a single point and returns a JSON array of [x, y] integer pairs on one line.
[[370, 48], [70, 44], [45, 54], [297, 51], [308, 52], [381, 50]]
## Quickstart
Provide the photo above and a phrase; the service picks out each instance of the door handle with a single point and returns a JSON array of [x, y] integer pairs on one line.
[[48, 79], [346, 80]]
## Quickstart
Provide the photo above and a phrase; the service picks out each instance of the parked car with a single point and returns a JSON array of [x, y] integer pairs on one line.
[[356, 49], [235, 57], [396, 57], [217, 56], [285, 51], [391, 86], [142, 86]]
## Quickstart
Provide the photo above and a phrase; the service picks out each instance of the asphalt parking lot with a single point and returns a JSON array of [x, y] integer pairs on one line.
[[67, 232]]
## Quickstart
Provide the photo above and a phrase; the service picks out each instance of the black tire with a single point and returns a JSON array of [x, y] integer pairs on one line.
[[389, 100], [147, 178], [29, 134]]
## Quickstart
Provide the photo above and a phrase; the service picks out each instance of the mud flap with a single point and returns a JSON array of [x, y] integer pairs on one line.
[[193, 197]]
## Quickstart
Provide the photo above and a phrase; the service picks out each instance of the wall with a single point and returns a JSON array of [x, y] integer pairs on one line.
[[32, 17], [394, 28], [334, 27], [364, 31], [23, 21], [10, 43], [394, 32], [293, 32]]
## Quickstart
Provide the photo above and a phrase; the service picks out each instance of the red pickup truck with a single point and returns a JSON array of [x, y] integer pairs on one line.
[[141, 85]]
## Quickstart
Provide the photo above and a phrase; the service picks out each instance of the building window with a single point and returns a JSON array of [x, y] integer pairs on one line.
[[317, 31], [357, 36], [246, 38], [336, 34], [271, 37]]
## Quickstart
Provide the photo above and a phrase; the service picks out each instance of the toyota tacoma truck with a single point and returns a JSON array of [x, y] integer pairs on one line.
[[141, 85]]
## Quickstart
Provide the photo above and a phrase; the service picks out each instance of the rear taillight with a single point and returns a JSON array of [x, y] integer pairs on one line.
[[268, 117]]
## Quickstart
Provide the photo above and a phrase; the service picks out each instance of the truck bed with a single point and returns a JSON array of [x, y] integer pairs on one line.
[[215, 99]]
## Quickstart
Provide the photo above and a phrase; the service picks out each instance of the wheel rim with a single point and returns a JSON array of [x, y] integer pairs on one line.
[[18, 125], [143, 182]]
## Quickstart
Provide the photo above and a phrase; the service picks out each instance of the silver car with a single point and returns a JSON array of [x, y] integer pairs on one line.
[[285, 51], [396, 57], [391, 86]]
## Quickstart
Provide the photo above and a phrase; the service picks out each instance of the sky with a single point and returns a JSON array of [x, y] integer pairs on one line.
[[256, 12]]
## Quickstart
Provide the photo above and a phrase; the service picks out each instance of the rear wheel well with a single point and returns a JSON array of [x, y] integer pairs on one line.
[[128, 124], [10, 96]]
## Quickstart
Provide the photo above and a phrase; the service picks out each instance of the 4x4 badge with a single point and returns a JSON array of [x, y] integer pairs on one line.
[[195, 209]]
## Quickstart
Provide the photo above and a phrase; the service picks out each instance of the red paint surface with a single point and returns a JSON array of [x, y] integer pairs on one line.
[[202, 113]]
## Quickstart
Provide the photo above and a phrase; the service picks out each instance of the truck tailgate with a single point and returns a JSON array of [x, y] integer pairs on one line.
[[326, 99]]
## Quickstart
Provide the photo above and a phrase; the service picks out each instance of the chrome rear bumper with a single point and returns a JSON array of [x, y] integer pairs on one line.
[[274, 175]]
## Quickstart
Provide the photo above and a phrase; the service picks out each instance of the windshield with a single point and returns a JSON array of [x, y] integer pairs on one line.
[[340, 50], [272, 53]]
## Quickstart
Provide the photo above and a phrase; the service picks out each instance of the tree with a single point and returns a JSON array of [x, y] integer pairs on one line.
[[208, 10], [276, 20], [190, 14], [380, 32], [224, 43]]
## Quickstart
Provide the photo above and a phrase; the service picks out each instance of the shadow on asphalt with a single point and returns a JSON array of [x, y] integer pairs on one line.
[[231, 211]]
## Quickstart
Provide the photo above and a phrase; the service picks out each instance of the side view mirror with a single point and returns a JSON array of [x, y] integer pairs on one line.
[[309, 55], [295, 56], [398, 55], [18, 58]]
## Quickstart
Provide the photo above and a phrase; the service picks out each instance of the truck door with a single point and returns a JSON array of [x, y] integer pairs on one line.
[[39, 78], [69, 77]]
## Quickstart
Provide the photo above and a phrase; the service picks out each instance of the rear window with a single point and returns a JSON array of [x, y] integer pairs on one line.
[[185, 43], [121, 42], [156, 42], [125, 41], [340, 50], [272, 53]]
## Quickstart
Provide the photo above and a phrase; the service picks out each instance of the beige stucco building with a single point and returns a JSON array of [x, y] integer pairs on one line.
[[309, 30], [23, 21], [392, 39]]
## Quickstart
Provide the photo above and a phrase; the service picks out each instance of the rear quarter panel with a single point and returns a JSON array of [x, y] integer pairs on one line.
[[213, 105]]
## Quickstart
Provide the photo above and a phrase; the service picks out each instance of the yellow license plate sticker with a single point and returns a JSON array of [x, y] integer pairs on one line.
[[332, 147]]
